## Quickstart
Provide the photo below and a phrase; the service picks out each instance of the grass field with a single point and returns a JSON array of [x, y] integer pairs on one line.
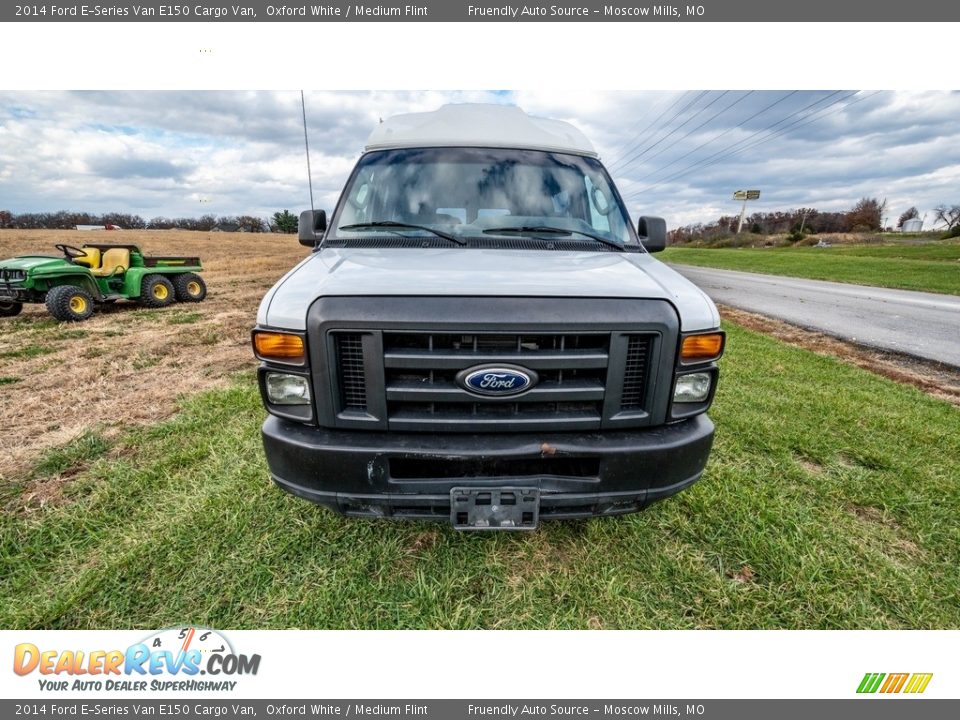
[[135, 494], [830, 501], [127, 365], [933, 266]]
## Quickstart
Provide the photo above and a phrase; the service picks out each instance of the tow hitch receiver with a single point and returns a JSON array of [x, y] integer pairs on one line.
[[503, 508]]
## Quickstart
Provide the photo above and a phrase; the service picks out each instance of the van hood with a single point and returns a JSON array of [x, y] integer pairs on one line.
[[481, 272]]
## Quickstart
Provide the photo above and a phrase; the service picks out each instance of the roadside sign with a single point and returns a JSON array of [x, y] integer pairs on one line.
[[744, 195]]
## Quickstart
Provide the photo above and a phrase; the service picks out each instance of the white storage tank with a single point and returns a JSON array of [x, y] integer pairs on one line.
[[913, 225]]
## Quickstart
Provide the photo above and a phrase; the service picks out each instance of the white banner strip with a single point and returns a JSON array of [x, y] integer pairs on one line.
[[481, 664]]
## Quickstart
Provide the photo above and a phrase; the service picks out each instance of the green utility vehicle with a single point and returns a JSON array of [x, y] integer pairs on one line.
[[84, 277]]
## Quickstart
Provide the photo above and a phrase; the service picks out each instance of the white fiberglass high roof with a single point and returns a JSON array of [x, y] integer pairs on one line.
[[479, 125]]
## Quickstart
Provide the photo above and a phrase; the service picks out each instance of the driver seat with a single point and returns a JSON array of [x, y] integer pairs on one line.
[[91, 259], [115, 262]]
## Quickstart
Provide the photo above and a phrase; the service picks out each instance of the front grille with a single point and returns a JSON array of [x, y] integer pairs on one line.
[[8, 275], [353, 383], [421, 390], [393, 363], [634, 392]]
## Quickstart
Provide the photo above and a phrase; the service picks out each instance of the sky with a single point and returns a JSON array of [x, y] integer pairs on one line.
[[679, 155]]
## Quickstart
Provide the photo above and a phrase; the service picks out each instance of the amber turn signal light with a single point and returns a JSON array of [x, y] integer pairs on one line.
[[701, 348], [279, 347]]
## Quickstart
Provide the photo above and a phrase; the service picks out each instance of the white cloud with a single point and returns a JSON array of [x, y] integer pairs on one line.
[[190, 153]]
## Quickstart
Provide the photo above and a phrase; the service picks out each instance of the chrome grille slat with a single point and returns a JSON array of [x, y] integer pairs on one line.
[[415, 348], [416, 391], [539, 360], [413, 378], [421, 391]]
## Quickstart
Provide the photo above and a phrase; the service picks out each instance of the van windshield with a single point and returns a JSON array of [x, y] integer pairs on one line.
[[481, 192]]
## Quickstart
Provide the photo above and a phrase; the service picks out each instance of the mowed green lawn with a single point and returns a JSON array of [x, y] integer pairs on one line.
[[933, 266], [831, 501]]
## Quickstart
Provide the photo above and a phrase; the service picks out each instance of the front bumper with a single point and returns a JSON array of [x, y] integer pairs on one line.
[[14, 292], [410, 475]]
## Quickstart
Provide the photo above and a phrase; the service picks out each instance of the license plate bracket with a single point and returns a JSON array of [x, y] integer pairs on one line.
[[499, 508]]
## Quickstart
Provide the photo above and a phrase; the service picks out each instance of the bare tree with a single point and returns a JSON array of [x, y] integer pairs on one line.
[[908, 215], [948, 215]]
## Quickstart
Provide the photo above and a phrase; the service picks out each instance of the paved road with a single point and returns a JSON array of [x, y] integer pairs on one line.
[[925, 325]]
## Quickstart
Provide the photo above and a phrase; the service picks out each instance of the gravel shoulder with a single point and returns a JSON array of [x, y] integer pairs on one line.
[[922, 325]]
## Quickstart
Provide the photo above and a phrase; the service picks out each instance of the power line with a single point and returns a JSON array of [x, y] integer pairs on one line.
[[739, 125], [650, 110], [635, 158], [623, 151], [812, 117], [801, 122], [702, 125], [731, 150], [716, 137], [640, 140], [667, 123], [691, 132]]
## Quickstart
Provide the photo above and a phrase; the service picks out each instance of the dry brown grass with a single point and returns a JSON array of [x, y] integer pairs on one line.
[[127, 365]]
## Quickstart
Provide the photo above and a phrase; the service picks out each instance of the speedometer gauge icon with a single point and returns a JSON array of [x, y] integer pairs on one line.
[[184, 638]]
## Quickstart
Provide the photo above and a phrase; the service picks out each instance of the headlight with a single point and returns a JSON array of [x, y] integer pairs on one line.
[[692, 388], [285, 389]]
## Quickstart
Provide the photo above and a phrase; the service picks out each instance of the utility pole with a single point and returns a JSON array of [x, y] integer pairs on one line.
[[745, 195]]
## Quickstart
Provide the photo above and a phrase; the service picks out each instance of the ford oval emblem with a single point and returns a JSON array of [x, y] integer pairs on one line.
[[497, 380]]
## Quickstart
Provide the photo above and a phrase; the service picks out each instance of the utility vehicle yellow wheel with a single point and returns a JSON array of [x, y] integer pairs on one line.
[[156, 291], [78, 304], [190, 287], [69, 303]]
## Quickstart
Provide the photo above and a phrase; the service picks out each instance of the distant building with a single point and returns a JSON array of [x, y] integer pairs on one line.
[[99, 227]]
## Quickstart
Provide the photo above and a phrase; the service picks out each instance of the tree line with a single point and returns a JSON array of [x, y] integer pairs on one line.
[[866, 216], [283, 221]]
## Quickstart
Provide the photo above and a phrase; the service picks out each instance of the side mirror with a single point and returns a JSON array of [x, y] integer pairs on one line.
[[653, 233], [312, 226]]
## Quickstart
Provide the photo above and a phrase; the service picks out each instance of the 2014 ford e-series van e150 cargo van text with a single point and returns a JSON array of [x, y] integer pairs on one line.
[[481, 335]]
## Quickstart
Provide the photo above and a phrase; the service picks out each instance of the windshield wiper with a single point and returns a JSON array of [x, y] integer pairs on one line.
[[541, 229], [390, 224]]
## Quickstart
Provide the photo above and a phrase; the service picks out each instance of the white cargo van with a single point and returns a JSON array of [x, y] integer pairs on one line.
[[481, 335]]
